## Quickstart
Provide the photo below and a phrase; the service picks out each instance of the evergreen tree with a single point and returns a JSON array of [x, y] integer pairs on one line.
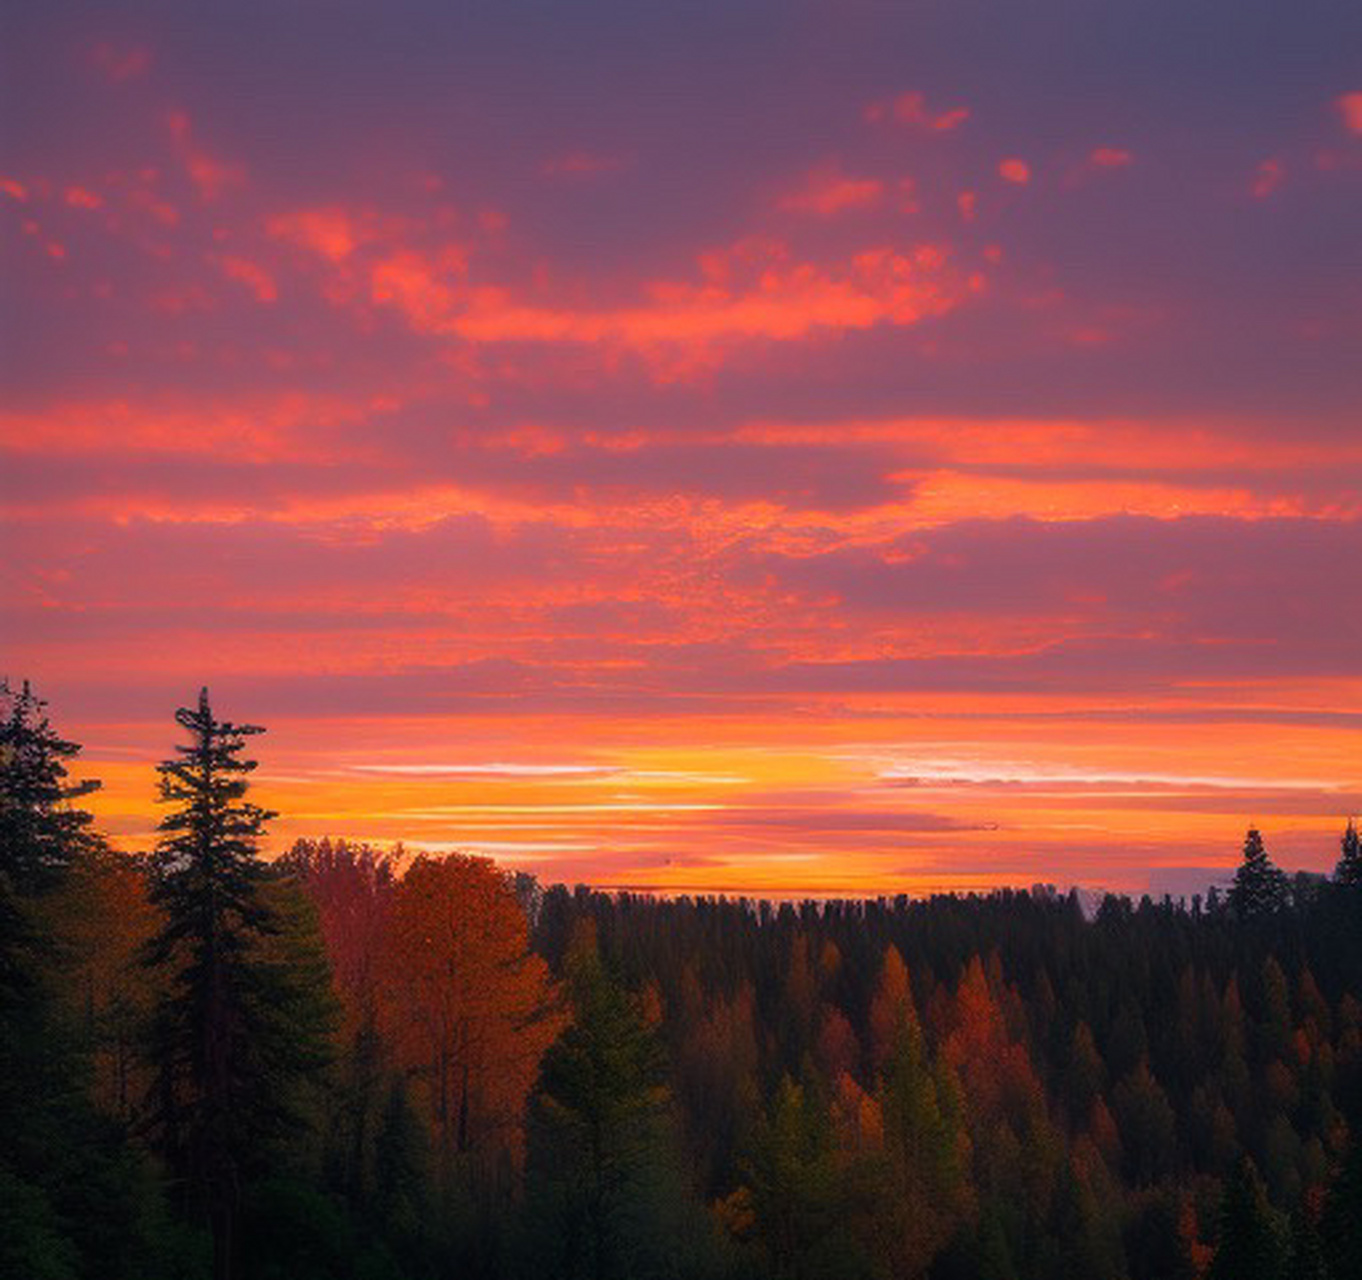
[[804, 1200], [927, 1193], [1250, 1244], [1341, 1225], [74, 1198], [41, 832], [230, 1041], [606, 1192], [1349, 869], [1260, 887], [1305, 1253]]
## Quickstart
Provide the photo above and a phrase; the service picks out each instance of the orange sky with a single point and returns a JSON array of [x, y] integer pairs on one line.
[[789, 452]]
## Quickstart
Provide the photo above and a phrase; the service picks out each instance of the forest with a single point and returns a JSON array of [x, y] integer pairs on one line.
[[379, 1065]]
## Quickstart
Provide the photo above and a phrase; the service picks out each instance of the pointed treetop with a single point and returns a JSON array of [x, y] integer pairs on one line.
[[41, 831], [1260, 887], [1349, 870]]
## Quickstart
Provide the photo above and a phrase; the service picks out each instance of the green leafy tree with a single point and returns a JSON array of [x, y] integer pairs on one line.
[[1260, 887], [236, 1031]]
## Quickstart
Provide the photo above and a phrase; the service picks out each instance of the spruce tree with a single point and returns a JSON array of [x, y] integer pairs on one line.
[[41, 832], [1260, 887], [227, 1047], [1349, 869], [74, 1197]]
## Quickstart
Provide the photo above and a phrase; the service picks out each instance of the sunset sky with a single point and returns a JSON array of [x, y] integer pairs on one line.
[[836, 448]]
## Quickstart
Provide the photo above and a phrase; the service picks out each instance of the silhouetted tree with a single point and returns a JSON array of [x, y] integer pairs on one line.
[[1260, 887], [41, 832], [1349, 869], [75, 1199], [232, 1035]]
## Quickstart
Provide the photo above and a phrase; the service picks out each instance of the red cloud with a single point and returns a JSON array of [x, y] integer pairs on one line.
[[827, 194], [1110, 158], [210, 176], [1350, 108], [910, 109], [755, 289], [581, 164], [121, 62], [1268, 178], [333, 233], [1014, 170], [253, 276]]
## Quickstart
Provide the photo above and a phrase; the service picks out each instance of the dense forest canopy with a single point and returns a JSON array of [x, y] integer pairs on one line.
[[364, 1064]]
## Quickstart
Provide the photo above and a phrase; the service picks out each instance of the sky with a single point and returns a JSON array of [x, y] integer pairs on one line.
[[754, 448]]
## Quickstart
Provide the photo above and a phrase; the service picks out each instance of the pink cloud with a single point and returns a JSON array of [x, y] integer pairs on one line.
[[1268, 178], [1110, 158], [81, 198], [331, 232], [754, 289], [580, 164], [209, 175], [826, 194], [1350, 108], [13, 188], [253, 276], [122, 62], [1015, 170], [910, 109]]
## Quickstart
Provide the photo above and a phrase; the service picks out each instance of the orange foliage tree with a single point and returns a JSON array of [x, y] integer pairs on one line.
[[464, 1004]]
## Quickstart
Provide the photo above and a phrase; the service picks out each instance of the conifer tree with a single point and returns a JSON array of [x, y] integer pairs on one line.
[[41, 832], [1349, 869], [1260, 887], [74, 1200], [228, 1045], [1250, 1244], [605, 1187]]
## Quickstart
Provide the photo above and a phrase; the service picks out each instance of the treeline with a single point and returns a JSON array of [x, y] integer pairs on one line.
[[370, 1066]]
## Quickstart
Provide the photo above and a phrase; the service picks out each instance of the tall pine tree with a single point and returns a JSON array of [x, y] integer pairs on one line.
[[228, 1044], [1260, 887], [1349, 869], [41, 831]]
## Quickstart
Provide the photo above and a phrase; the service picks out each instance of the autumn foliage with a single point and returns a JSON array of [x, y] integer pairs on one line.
[[358, 1063], [464, 1003]]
